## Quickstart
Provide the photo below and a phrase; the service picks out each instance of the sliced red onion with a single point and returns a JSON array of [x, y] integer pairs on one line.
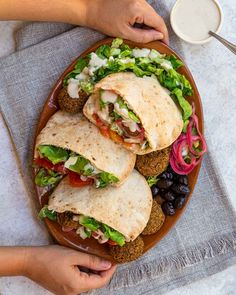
[[187, 141]]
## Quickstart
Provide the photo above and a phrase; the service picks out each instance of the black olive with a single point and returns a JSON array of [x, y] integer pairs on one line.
[[164, 175], [162, 192], [167, 175], [179, 202], [168, 208], [180, 189], [183, 179], [169, 196], [169, 169], [164, 183], [155, 190]]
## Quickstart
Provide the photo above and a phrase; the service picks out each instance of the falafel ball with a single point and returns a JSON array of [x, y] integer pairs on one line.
[[69, 104], [66, 219], [130, 251], [156, 219], [154, 163]]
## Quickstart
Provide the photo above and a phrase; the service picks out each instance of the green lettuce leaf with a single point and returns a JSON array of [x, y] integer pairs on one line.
[[80, 65], [184, 104], [131, 114], [86, 86], [47, 177], [103, 51], [116, 43], [176, 63], [89, 222], [152, 180], [114, 235], [121, 103], [102, 104], [115, 115], [125, 52], [79, 166], [106, 178], [115, 51], [133, 117], [53, 154], [93, 225], [45, 212]]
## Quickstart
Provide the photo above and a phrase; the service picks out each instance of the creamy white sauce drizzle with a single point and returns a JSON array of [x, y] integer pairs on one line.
[[193, 19]]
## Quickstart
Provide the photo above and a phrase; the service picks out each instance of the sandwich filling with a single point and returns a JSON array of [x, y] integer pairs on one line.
[[117, 121], [54, 162], [85, 226]]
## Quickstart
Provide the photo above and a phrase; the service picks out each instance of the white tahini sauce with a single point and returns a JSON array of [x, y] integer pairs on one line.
[[193, 19]]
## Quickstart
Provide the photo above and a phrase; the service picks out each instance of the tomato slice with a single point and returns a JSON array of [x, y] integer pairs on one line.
[[112, 243], [44, 163], [76, 181], [104, 129], [98, 120]]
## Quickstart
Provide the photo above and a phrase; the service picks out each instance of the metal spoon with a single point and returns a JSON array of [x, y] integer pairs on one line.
[[226, 43]]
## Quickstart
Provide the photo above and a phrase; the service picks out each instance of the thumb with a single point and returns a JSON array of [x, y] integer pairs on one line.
[[91, 261], [143, 35]]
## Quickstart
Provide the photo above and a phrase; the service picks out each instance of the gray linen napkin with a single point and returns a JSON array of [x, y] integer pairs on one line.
[[204, 240]]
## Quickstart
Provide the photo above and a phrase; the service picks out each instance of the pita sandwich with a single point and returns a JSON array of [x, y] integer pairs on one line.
[[124, 210], [137, 112], [71, 144]]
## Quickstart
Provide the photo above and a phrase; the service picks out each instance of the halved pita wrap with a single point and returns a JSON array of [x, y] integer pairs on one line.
[[75, 133], [158, 119], [125, 209]]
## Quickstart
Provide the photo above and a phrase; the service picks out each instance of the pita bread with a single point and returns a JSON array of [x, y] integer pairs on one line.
[[159, 115], [76, 133], [126, 208]]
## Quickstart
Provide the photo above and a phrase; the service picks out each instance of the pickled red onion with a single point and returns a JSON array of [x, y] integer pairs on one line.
[[187, 141]]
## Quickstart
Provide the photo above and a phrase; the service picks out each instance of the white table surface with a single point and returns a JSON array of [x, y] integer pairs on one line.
[[214, 70]]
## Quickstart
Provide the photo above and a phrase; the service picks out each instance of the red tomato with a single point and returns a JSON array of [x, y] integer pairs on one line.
[[98, 120], [76, 181], [104, 129], [112, 243], [44, 163]]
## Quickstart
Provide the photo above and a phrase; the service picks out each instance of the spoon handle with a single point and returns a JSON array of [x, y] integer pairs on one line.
[[229, 45]]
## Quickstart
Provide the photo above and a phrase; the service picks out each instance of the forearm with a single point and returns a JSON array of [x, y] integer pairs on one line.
[[13, 260], [69, 11]]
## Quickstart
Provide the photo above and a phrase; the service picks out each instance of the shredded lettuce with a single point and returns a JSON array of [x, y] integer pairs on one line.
[[152, 180], [115, 115], [80, 65], [105, 178], [46, 177], [53, 154], [86, 86], [103, 51], [133, 117], [114, 235], [184, 104], [89, 222], [110, 233], [45, 212], [131, 114], [102, 104], [116, 43], [161, 66], [79, 166]]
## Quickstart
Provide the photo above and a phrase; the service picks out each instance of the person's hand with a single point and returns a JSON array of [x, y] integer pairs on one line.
[[117, 18], [57, 269]]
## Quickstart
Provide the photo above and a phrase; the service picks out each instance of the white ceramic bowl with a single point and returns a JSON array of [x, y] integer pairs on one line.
[[183, 36]]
